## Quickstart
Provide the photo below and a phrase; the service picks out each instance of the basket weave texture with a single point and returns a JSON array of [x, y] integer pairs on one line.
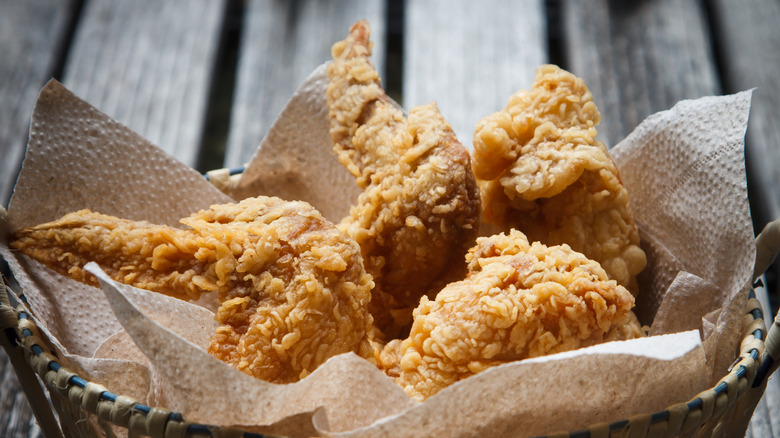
[[86, 409]]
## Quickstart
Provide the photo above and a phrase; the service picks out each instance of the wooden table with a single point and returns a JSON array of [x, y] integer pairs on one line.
[[204, 79]]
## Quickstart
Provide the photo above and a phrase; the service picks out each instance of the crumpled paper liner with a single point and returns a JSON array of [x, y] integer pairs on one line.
[[685, 172], [684, 169], [169, 332], [295, 159], [555, 393]]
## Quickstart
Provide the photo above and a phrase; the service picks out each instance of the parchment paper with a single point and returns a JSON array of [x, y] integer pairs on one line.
[[684, 169]]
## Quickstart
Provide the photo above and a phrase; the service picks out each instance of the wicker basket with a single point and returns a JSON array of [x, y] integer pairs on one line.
[[88, 409]]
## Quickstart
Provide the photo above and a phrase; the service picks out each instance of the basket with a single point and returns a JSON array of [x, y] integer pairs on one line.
[[88, 409]]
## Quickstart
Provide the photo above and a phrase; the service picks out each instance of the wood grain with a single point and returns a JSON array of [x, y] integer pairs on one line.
[[149, 64], [642, 57], [765, 422], [31, 37], [638, 57], [31, 43], [749, 39], [470, 57], [281, 45], [16, 416]]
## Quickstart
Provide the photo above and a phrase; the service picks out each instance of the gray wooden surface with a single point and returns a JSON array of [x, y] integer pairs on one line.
[[282, 43], [643, 57], [206, 78], [638, 57], [149, 65], [748, 43], [32, 39], [16, 417], [471, 61], [749, 48]]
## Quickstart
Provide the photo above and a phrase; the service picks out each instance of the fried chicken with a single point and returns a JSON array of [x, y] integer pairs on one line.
[[292, 288], [519, 300], [542, 171], [419, 211]]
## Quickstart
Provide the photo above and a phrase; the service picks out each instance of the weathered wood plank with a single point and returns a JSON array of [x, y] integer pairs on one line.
[[281, 45], [749, 42], [16, 416], [643, 57], [638, 57], [771, 405], [470, 57], [765, 422], [149, 65], [31, 35]]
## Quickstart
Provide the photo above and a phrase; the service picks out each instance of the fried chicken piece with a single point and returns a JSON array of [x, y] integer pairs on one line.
[[519, 300], [419, 211], [542, 171], [292, 288]]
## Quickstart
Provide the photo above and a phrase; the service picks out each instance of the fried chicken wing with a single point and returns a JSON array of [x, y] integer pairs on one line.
[[541, 170], [419, 211], [519, 300], [292, 288]]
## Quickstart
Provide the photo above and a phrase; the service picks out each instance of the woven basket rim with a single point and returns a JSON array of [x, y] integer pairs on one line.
[[684, 417]]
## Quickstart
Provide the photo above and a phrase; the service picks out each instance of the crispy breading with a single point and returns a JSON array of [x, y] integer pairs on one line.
[[519, 300], [542, 171], [419, 211], [292, 288]]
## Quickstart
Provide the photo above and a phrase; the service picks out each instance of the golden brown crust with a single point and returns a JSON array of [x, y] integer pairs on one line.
[[292, 288], [519, 300], [541, 170], [420, 207]]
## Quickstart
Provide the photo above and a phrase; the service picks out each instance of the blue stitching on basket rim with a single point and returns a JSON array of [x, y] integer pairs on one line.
[[660, 416], [206, 429], [617, 425], [766, 365], [694, 404], [654, 418], [232, 171], [81, 383]]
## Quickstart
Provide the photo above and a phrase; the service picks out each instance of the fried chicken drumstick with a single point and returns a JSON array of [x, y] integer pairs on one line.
[[291, 287], [542, 171], [519, 300], [419, 211]]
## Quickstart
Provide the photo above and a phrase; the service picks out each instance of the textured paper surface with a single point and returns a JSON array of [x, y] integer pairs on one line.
[[555, 393], [684, 169], [295, 160], [685, 172], [76, 158], [170, 332]]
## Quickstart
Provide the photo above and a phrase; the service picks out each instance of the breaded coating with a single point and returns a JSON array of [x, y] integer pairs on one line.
[[519, 300], [292, 288], [542, 171], [419, 211]]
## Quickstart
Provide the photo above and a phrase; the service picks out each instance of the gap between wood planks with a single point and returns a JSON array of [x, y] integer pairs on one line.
[[217, 122], [762, 207], [217, 119], [220, 101], [66, 42]]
